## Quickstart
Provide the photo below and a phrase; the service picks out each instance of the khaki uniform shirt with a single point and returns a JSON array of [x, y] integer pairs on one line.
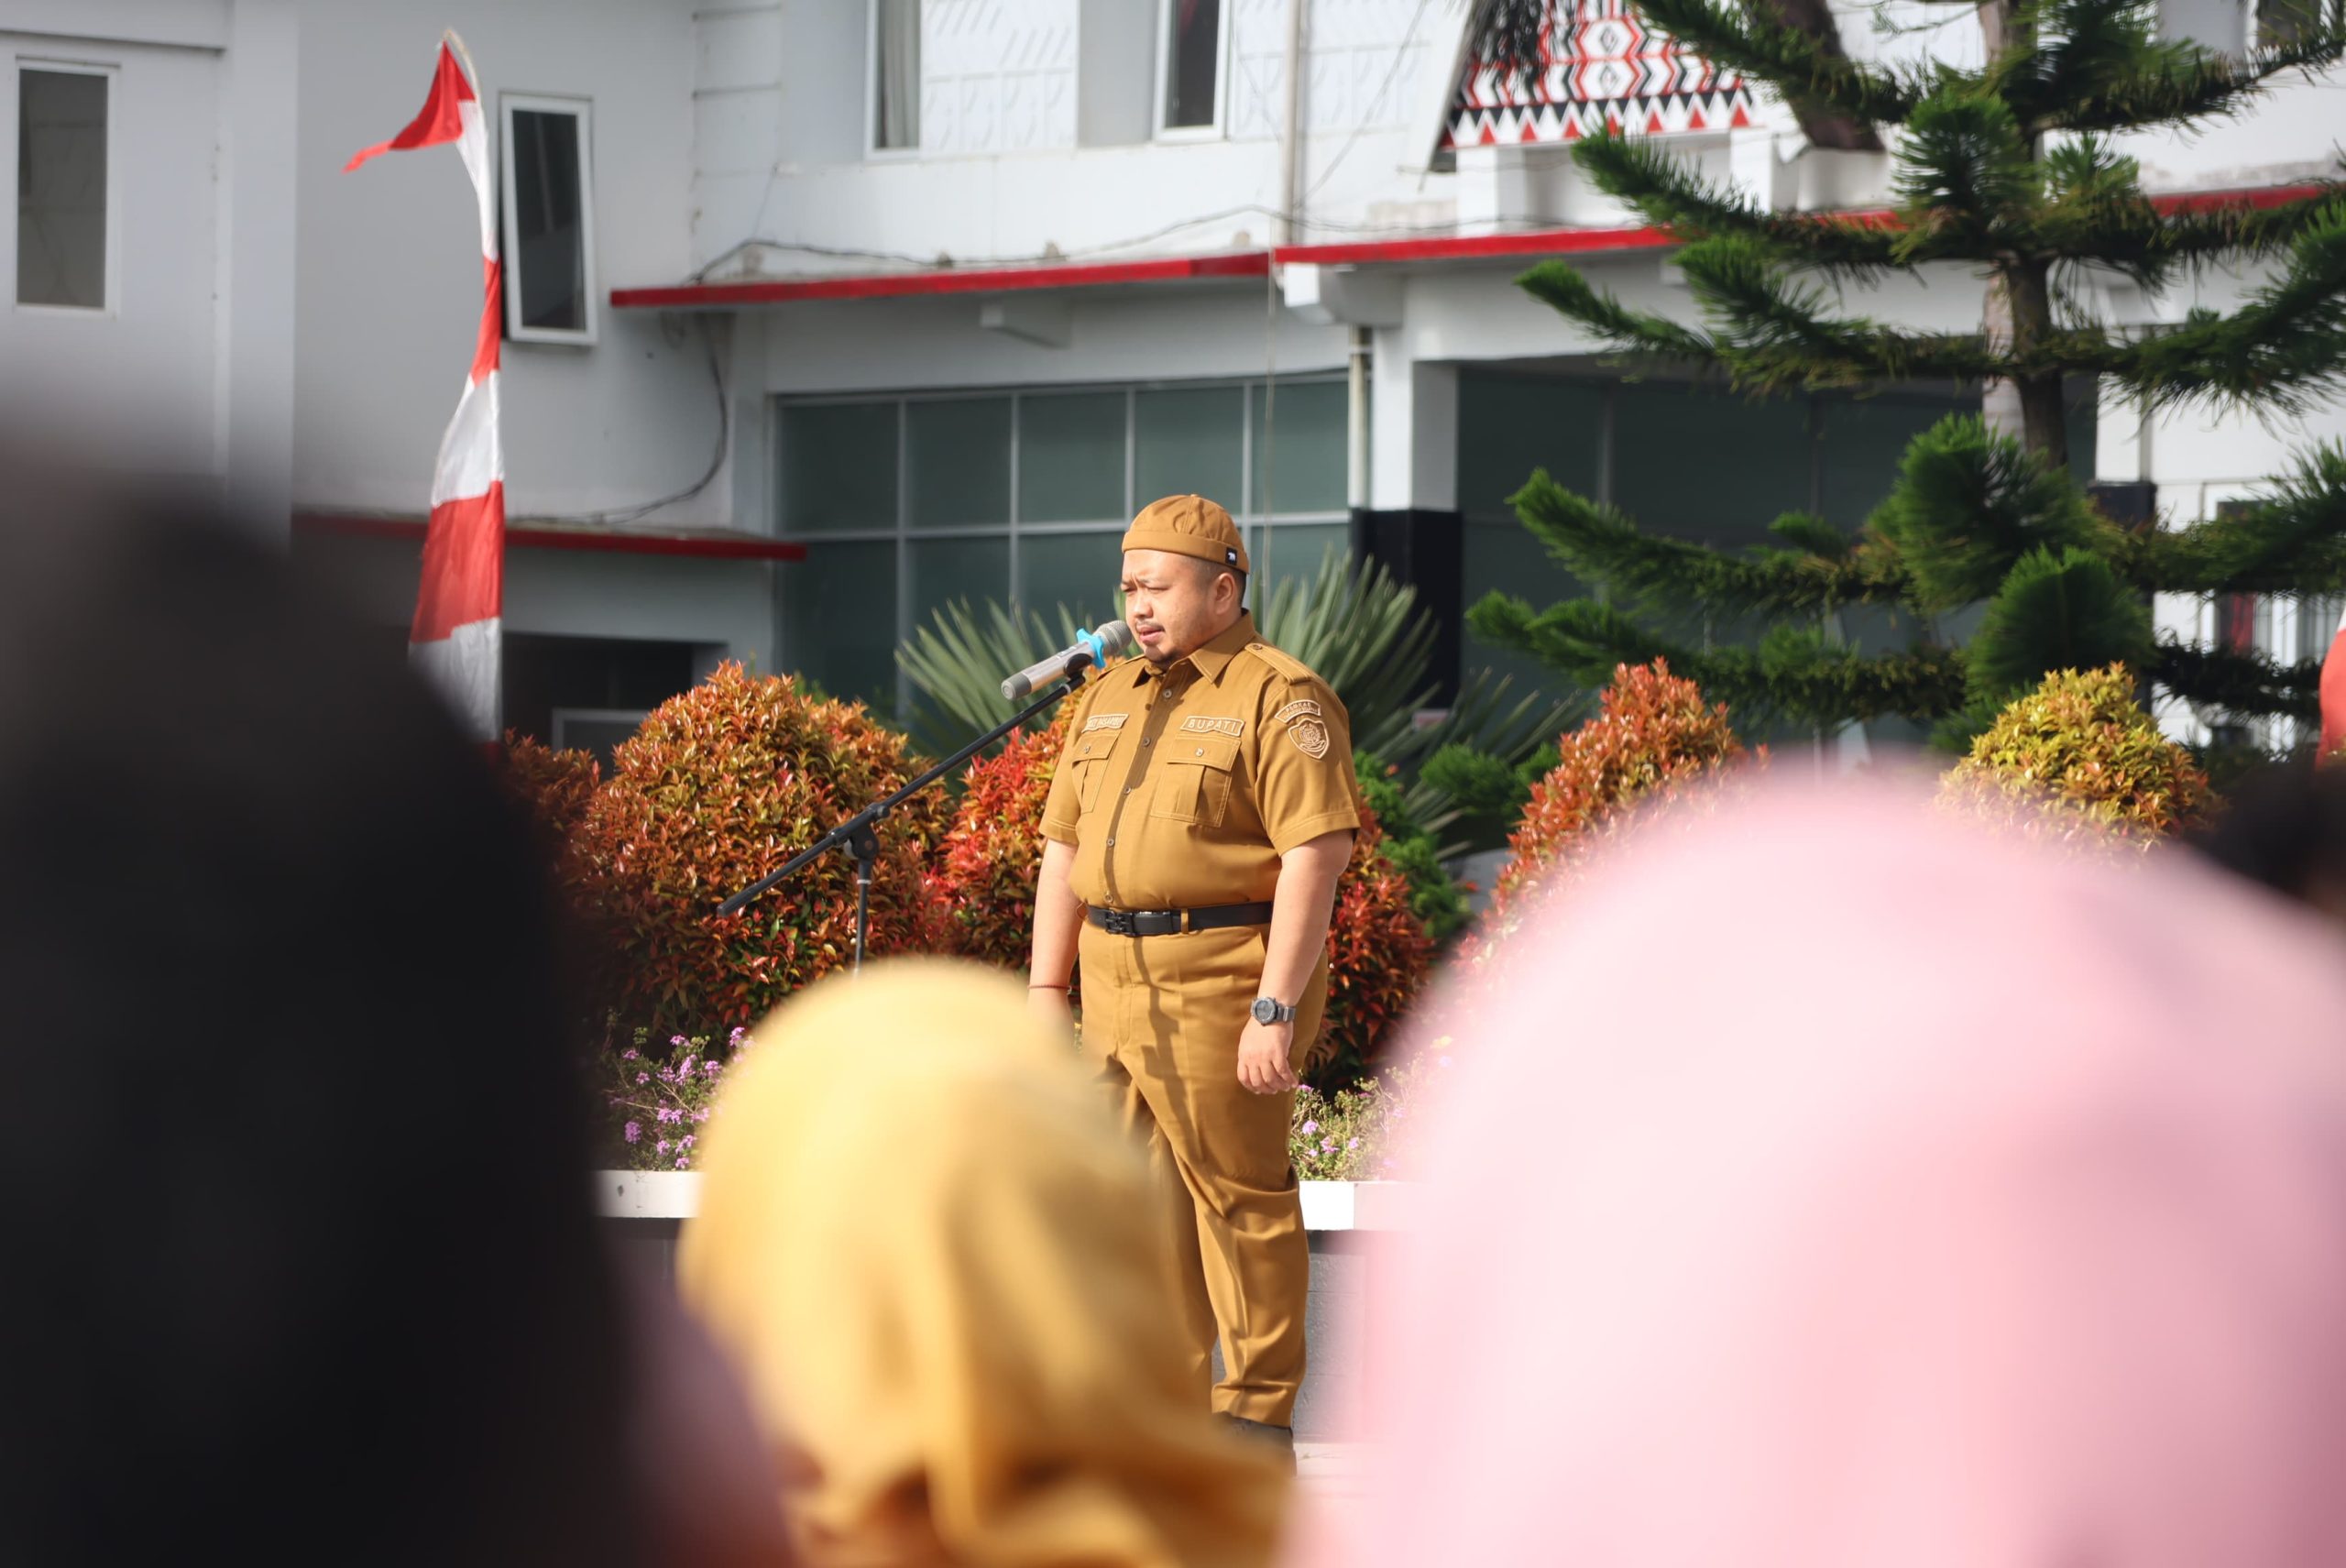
[[1182, 790]]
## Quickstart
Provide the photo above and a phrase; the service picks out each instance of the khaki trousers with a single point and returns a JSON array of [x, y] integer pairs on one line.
[[1161, 1021]]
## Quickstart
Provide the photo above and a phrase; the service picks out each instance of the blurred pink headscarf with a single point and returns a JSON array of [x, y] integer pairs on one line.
[[1851, 1190]]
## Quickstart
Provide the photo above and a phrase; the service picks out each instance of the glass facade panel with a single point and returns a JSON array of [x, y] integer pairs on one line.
[[838, 467], [839, 619], [1865, 440], [1700, 465], [1079, 571], [1188, 443], [1508, 426], [948, 569], [1290, 551], [1071, 457], [957, 463], [1299, 466]]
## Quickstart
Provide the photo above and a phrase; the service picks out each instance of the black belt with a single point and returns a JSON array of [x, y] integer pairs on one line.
[[1171, 922]]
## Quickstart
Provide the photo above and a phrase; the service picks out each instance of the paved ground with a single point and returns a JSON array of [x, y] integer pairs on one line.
[[1332, 1470]]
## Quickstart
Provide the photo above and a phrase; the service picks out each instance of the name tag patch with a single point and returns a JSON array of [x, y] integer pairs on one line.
[[1305, 726], [1105, 721], [1201, 725]]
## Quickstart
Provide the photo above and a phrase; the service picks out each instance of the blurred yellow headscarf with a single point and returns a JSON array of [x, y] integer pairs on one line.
[[928, 1251]]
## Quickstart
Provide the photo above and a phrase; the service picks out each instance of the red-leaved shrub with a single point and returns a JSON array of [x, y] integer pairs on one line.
[[721, 785], [1653, 744], [553, 786], [991, 854], [1379, 951]]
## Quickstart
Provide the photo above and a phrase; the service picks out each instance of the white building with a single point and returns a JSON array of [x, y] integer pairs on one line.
[[824, 313]]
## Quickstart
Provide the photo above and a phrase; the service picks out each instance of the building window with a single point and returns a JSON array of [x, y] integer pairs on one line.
[[62, 187], [1189, 89], [896, 75], [601, 730], [909, 504], [549, 221]]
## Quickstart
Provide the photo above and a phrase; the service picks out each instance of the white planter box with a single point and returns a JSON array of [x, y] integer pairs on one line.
[[674, 1195]]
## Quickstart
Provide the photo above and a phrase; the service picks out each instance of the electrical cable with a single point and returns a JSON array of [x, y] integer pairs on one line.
[[716, 460]]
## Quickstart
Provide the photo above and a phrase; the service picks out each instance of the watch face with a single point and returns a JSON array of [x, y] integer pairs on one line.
[[1265, 1010]]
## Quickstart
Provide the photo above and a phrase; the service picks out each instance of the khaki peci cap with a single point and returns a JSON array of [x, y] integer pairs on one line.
[[1189, 525]]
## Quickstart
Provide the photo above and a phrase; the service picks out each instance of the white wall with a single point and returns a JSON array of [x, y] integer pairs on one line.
[[1003, 176], [390, 291], [1169, 333], [137, 386]]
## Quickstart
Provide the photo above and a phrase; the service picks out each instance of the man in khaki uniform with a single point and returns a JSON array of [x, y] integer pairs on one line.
[[1200, 817]]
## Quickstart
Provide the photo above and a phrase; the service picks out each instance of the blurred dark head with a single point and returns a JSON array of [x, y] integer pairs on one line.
[[303, 1263], [2285, 827]]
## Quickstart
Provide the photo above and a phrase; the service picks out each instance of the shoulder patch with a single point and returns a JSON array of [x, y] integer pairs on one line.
[[1281, 661], [1305, 726]]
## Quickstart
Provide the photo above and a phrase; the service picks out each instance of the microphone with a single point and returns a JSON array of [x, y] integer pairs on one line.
[[1093, 647]]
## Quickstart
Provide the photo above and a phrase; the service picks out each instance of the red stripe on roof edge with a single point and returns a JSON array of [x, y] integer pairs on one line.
[[700, 546], [1255, 263]]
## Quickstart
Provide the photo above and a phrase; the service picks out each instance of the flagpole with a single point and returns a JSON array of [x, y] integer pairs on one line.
[[448, 36]]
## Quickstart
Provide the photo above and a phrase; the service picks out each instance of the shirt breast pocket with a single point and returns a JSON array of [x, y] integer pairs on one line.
[[1088, 756], [1194, 779]]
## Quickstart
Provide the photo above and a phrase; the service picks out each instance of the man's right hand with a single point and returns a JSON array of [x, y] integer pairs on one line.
[[1051, 1008]]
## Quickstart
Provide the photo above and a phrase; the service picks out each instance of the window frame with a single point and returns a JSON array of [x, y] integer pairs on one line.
[[872, 150], [1162, 52], [1256, 528], [561, 718], [582, 111], [111, 285]]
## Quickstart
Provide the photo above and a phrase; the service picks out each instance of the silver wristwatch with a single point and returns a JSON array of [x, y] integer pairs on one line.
[[1269, 1011]]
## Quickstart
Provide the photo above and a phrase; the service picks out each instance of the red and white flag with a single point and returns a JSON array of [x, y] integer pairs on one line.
[[2333, 695], [454, 640]]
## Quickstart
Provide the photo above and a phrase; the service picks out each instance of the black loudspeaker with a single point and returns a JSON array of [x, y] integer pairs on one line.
[[2133, 505], [1426, 550]]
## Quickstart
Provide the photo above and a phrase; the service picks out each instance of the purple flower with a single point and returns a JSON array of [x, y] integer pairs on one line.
[[1352, 1142], [737, 1037], [686, 1069], [710, 1068], [1309, 1128], [678, 1040], [635, 1131], [668, 1113], [644, 1078], [684, 1162], [631, 1054], [660, 1147], [701, 1113], [688, 1141], [1328, 1146]]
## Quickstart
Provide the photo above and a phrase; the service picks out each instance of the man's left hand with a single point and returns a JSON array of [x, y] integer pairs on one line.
[[1263, 1052]]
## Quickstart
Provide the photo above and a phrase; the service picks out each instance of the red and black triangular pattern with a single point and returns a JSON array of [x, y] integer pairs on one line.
[[1601, 66]]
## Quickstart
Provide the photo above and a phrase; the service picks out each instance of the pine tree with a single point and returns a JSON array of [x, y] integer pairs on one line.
[[2009, 170]]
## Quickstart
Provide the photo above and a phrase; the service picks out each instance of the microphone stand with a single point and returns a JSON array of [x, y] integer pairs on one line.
[[859, 834]]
